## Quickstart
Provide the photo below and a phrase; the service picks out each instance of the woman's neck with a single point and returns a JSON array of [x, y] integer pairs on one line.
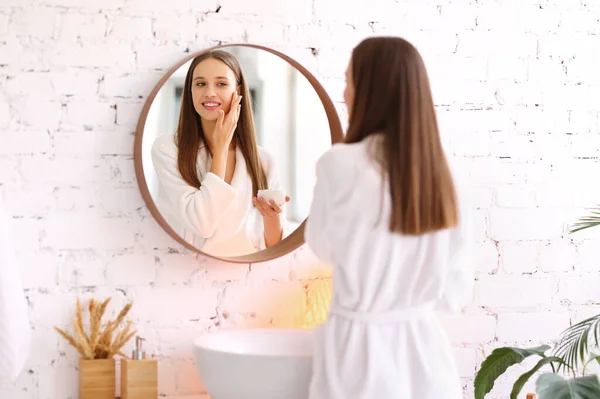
[[208, 128]]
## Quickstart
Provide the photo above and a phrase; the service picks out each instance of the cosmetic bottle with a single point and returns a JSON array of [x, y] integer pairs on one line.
[[139, 375]]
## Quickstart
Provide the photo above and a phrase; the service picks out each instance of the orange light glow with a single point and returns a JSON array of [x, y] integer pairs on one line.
[[318, 298]]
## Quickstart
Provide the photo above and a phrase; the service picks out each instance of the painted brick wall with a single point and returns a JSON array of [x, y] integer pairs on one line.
[[518, 94]]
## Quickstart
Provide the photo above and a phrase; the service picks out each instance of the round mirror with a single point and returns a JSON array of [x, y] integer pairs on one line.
[[225, 151]]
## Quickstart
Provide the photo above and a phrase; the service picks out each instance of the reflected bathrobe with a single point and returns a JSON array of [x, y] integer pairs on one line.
[[219, 218], [382, 339]]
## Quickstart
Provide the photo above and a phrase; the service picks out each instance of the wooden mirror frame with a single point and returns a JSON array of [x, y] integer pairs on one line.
[[288, 244]]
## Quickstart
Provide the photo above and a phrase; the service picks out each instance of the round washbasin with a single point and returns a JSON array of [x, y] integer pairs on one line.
[[255, 364]]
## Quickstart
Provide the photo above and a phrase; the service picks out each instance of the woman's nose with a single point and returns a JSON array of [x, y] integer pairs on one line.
[[209, 91]]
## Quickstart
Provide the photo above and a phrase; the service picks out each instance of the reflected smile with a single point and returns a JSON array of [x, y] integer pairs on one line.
[[211, 105]]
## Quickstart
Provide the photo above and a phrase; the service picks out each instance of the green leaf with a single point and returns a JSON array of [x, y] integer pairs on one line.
[[496, 364], [572, 346], [587, 221], [525, 377], [553, 386]]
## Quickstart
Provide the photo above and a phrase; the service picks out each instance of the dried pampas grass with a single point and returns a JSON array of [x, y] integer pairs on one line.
[[99, 343]]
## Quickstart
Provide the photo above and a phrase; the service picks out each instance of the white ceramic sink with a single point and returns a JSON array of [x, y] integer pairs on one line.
[[255, 364]]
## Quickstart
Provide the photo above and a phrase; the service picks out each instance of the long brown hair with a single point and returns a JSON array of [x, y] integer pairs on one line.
[[392, 97], [190, 135]]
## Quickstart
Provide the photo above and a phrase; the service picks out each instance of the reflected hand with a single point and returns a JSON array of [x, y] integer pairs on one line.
[[226, 124], [268, 209]]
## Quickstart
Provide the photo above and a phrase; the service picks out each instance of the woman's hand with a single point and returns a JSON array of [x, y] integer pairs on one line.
[[226, 124], [272, 223], [268, 210]]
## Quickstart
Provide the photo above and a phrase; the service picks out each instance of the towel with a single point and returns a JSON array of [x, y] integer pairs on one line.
[[15, 331]]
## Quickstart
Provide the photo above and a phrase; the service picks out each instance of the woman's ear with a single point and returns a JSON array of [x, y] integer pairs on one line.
[[239, 90]]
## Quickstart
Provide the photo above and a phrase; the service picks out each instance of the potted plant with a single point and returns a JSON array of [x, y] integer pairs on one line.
[[569, 357], [97, 348]]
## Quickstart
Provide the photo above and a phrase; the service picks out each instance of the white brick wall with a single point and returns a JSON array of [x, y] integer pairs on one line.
[[518, 94]]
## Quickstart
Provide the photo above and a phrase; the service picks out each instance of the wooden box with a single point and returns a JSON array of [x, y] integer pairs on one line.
[[96, 378], [139, 379]]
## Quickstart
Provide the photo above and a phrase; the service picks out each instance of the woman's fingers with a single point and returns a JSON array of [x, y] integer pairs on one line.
[[266, 208], [220, 118], [234, 112], [236, 116], [274, 206], [229, 115], [260, 204], [238, 108]]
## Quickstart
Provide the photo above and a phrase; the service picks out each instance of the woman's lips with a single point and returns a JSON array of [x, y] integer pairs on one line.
[[211, 105]]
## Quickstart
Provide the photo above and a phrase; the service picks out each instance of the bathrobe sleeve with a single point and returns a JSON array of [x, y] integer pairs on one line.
[[15, 331], [257, 232], [199, 210], [460, 280], [317, 224]]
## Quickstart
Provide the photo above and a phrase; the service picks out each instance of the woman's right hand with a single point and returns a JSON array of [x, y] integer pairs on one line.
[[226, 125]]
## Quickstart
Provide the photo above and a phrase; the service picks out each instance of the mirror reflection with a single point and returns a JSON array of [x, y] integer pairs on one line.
[[229, 150]]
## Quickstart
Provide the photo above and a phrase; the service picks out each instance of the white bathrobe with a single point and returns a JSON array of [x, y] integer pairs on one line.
[[382, 339], [218, 218], [15, 331]]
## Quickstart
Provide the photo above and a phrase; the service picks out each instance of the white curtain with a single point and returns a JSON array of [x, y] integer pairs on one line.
[[15, 331]]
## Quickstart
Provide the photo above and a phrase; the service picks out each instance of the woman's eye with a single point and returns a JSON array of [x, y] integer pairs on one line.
[[202, 84]]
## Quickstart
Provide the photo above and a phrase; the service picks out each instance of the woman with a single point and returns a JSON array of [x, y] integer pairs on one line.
[[386, 217], [210, 172]]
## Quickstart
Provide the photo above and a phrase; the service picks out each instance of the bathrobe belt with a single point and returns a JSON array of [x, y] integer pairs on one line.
[[386, 317]]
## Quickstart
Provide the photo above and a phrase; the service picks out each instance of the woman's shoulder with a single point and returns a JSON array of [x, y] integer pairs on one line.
[[344, 154], [266, 158], [164, 142], [263, 153]]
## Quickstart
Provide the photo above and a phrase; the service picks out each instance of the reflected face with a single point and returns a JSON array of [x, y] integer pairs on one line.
[[213, 84], [349, 91]]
